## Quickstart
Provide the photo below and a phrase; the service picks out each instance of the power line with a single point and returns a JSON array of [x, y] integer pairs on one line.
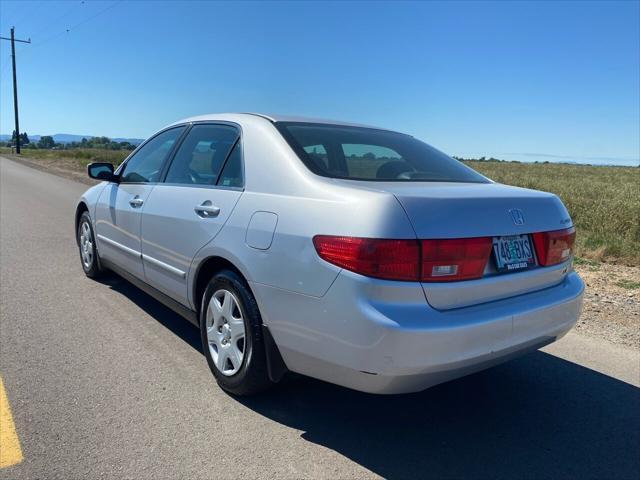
[[67, 30], [75, 26], [56, 35], [51, 24]]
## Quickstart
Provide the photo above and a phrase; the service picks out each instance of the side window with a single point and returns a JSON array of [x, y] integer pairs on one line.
[[146, 165], [231, 175], [200, 157]]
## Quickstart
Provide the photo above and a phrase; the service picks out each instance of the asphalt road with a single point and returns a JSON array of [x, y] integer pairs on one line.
[[103, 381]]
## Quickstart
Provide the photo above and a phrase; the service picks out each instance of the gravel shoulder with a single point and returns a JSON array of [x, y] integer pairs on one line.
[[611, 303], [62, 167]]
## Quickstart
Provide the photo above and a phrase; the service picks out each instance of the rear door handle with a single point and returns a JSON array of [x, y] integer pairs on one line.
[[207, 210], [136, 201]]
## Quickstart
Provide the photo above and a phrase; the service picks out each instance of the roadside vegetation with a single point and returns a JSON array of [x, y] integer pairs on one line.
[[47, 142], [74, 159], [604, 202]]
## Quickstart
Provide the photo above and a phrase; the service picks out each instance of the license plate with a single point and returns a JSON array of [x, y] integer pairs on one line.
[[513, 253]]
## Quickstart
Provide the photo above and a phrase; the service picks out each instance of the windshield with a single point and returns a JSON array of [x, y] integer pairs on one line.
[[358, 153]]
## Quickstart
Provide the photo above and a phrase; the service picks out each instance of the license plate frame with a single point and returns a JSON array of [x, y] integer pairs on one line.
[[513, 253]]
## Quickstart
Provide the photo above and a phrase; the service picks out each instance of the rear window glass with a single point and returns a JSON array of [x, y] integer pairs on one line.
[[359, 153]]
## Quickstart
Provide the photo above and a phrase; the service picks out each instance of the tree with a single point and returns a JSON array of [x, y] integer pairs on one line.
[[46, 142], [24, 138]]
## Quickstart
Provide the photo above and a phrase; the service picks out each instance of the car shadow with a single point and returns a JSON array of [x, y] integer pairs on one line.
[[163, 315], [536, 417]]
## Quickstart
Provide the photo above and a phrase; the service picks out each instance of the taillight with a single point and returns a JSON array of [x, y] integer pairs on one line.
[[380, 258], [411, 260], [457, 259], [554, 247]]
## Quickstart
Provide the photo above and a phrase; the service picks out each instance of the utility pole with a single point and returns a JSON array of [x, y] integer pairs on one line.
[[15, 84]]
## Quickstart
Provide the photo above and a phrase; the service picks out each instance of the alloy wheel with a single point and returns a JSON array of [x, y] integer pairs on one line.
[[225, 332], [86, 245]]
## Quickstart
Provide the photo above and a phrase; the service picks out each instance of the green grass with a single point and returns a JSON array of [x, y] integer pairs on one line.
[[629, 284], [604, 202]]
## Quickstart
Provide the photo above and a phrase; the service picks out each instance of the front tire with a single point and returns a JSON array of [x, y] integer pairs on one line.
[[231, 331], [87, 246]]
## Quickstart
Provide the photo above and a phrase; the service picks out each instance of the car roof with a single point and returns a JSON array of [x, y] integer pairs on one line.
[[251, 116]]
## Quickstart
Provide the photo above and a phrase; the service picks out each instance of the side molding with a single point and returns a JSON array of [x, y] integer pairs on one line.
[[124, 248], [164, 266]]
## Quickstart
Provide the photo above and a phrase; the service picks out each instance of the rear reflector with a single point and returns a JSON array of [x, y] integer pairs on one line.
[[457, 259], [387, 259], [554, 247], [411, 260]]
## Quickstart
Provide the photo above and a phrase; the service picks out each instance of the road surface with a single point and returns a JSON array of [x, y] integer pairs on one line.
[[103, 381]]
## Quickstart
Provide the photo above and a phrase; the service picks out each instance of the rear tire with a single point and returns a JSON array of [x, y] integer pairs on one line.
[[87, 247], [231, 331]]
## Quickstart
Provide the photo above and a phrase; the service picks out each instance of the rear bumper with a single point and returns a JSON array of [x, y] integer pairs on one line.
[[383, 337]]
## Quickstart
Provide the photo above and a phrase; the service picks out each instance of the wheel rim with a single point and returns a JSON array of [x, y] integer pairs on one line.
[[225, 332], [86, 245]]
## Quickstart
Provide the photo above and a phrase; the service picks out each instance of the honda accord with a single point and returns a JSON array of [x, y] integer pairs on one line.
[[348, 253]]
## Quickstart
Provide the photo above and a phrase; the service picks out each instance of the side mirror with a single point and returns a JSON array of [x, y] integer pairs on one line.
[[101, 171]]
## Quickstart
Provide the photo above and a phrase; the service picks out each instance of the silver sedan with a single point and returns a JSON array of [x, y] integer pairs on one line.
[[352, 254]]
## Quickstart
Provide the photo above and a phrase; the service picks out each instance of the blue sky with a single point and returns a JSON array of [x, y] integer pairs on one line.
[[504, 79]]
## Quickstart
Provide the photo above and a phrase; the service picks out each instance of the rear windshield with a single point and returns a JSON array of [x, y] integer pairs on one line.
[[358, 153]]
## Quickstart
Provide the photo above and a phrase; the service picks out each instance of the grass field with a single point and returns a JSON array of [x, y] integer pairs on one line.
[[77, 158], [604, 202]]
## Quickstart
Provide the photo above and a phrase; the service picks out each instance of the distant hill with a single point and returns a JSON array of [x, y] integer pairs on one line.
[[69, 137]]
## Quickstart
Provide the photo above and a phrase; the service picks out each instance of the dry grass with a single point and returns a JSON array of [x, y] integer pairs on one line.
[[76, 158], [604, 202]]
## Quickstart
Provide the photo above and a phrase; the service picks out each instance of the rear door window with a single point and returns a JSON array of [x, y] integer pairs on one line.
[[202, 155], [232, 175]]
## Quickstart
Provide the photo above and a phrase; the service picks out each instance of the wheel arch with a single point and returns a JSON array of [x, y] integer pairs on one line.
[[80, 209], [206, 269]]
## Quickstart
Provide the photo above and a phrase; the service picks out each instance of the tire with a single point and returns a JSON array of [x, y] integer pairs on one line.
[[87, 247], [237, 359]]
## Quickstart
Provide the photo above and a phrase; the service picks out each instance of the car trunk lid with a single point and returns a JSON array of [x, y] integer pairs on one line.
[[439, 210]]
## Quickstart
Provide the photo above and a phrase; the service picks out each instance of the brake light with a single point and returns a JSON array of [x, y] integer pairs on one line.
[[554, 247], [410, 260], [380, 258], [457, 259]]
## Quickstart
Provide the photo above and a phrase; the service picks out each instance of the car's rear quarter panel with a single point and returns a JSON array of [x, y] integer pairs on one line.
[[276, 182]]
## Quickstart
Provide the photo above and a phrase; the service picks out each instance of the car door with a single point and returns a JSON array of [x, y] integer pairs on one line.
[[120, 204], [201, 187]]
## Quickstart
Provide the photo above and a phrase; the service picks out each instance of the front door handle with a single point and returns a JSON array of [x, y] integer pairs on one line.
[[207, 210], [136, 201]]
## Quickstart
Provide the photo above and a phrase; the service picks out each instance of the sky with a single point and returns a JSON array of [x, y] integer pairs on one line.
[[557, 81]]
